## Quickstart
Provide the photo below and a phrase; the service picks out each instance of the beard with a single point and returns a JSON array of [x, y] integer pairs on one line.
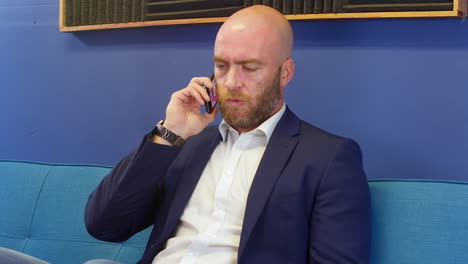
[[256, 109]]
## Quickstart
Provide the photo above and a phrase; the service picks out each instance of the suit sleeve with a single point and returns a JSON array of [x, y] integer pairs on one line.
[[127, 199], [340, 227]]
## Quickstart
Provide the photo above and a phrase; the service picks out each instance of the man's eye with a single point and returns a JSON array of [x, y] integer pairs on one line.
[[220, 66], [250, 69]]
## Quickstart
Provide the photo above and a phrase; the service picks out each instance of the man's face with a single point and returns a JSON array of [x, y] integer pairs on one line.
[[248, 79], [245, 111]]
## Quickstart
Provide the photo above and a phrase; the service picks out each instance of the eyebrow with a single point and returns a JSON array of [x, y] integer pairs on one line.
[[246, 61]]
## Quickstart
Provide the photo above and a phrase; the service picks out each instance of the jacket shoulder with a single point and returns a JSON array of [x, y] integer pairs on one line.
[[318, 141]]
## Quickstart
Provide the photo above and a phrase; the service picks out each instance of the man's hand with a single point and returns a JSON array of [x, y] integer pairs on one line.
[[183, 115]]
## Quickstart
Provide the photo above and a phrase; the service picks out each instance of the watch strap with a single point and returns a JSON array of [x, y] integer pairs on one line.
[[168, 135]]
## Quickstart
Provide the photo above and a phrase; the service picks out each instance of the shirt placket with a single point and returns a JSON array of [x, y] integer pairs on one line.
[[209, 236]]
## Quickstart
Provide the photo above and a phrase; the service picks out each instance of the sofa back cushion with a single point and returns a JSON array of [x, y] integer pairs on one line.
[[419, 221], [42, 215]]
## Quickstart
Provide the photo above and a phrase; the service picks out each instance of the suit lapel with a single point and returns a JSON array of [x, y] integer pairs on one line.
[[277, 153]]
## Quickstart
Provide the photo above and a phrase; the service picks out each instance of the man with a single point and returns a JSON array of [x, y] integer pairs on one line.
[[262, 187]]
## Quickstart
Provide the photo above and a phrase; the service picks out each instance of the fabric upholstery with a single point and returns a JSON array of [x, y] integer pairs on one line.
[[42, 212], [416, 221], [42, 205]]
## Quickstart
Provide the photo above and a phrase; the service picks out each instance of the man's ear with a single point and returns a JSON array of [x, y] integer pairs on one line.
[[287, 72]]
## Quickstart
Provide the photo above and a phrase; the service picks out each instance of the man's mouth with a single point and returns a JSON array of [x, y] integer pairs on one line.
[[235, 101]]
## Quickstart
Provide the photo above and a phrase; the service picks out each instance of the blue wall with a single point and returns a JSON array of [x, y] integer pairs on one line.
[[399, 87]]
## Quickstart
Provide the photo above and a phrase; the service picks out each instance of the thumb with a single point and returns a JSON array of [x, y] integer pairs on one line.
[[211, 117]]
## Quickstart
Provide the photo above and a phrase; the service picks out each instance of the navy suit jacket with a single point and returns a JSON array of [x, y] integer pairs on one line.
[[308, 203]]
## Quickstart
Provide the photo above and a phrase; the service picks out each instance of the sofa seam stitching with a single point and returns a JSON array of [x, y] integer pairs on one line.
[[118, 252], [25, 244], [37, 200]]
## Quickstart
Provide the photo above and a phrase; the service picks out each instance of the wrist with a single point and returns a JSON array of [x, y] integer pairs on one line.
[[163, 135], [176, 129], [159, 140]]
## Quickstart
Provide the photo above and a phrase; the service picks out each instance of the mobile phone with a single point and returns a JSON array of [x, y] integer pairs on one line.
[[209, 106]]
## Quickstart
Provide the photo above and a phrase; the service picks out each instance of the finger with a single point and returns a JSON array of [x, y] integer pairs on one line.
[[184, 99], [200, 90], [206, 82], [186, 96], [183, 96], [200, 83], [195, 94]]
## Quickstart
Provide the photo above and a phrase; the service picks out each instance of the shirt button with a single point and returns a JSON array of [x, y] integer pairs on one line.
[[226, 180]]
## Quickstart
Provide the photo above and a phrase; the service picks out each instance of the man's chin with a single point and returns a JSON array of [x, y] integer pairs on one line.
[[234, 112], [235, 119]]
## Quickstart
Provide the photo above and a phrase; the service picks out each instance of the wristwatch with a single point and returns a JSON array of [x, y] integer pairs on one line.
[[169, 136]]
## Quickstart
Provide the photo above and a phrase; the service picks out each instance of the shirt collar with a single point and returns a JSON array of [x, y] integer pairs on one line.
[[265, 128]]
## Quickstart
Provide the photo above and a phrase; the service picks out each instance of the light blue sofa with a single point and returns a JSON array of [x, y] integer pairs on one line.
[[41, 214]]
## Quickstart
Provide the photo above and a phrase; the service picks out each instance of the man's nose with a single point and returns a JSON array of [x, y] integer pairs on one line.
[[232, 81]]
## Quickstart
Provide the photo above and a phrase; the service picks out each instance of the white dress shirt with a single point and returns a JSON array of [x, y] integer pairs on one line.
[[210, 227]]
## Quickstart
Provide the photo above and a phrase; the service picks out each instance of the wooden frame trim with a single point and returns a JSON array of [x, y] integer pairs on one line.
[[456, 13], [62, 9], [146, 24], [461, 5], [374, 15]]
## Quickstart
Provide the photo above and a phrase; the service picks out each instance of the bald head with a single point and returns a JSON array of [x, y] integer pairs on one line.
[[261, 23], [252, 65]]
